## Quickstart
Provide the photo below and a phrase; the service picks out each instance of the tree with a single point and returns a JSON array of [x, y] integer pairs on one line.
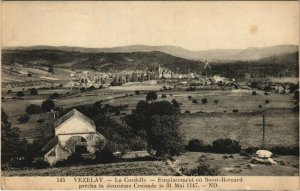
[[163, 95], [151, 95], [176, 105], [51, 70], [164, 136], [12, 145], [33, 109], [137, 92], [296, 95], [33, 91], [160, 121], [204, 100], [48, 105]]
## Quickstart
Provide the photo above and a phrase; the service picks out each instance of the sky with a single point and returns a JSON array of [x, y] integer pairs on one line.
[[196, 25]]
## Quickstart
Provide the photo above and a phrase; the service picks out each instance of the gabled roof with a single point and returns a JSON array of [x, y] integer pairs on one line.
[[70, 114], [52, 143]]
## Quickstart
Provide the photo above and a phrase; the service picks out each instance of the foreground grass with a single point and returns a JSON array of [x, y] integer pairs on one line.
[[237, 165], [143, 168]]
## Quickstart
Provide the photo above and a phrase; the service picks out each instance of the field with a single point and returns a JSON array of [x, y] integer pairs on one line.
[[207, 122], [143, 168], [245, 127]]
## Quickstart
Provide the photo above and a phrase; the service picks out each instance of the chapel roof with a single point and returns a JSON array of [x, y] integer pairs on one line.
[[70, 114]]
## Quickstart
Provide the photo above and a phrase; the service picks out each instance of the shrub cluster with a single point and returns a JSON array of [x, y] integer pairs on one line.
[[202, 170], [23, 119], [191, 89], [218, 146], [226, 146], [285, 150]]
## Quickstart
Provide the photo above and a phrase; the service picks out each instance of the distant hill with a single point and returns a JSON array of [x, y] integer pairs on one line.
[[283, 65], [106, 62], [252, 53], [269, 61]]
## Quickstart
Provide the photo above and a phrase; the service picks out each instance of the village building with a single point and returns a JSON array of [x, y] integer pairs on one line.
[[74, 134]]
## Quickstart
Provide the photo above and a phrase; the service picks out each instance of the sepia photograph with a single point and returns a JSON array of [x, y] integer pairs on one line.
[[150, 89]]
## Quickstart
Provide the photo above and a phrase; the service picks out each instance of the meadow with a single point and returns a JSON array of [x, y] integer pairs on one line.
[[205, 121]]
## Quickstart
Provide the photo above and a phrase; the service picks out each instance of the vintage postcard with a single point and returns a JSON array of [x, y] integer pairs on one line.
[[185, 95]]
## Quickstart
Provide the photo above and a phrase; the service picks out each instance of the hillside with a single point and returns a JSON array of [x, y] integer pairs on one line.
[[280, 64], [251, 53], [105, 62], [277, 66]]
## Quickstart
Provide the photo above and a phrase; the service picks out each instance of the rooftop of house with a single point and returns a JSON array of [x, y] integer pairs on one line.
[[70, 114], [52, 143]]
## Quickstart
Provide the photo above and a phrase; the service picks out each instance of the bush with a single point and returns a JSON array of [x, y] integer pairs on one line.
[[204, 100], [137, 144], [216, 101], [226, 146], [50, 70], [39, 163], [176, 104], [284, 150], [267, 101], [296, 95], [137, 92], [194, 101], [254, 93], [249, 151], [91, 88], [54, 96], [19, 162], [34, 91], [187, 111], [73, 159], [9, 91], [151, 95], [235, 111], [195, 145], [163, 95], [191, 89], [82, 89], [189, 97], [20, 94], [47, 105], [23, 119], [296, 109], [202, 170], [33, 109], [105, 156]]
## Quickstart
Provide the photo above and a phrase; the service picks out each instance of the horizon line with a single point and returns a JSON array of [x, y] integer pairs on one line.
[[85, 47]]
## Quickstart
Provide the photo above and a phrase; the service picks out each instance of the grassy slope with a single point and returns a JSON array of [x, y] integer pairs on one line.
[[239, 165], [102, 61], [144, 168]]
